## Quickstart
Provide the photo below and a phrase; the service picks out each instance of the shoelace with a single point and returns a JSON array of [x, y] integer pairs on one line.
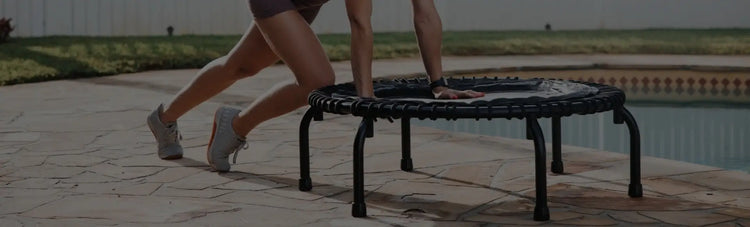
[[242, 146], [174, 133]]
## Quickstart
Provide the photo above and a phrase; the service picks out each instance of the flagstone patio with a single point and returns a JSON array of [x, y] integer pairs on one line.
[[78, 153]]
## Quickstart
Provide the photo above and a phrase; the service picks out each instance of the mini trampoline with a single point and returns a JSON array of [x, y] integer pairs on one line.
[[528, 99]]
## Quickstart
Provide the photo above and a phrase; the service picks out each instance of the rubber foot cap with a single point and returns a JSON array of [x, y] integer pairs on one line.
[[635, 190], [305, 184], [541, 213], [359, 210], [557, 167], [406, 165]]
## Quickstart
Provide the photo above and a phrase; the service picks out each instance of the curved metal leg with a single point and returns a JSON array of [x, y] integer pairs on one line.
[[406, 163], [305, 182], [529, 134], [359, 209], [370, 128], [541, 211], [557, 164], [622, 115], [318, 115]]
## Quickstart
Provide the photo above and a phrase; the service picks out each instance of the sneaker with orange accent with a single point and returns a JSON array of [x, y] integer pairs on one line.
[[224, 141]]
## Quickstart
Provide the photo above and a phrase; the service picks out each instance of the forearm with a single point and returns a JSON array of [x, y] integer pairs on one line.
[[359, 12], [429, 30], [361, 51]]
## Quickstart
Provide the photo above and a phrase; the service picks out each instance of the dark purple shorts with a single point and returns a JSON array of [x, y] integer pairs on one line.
[[267, 8]]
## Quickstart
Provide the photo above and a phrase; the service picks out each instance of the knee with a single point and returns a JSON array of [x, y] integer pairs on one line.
[[237, 70], [316, 83], [325, 81], [242, 72]]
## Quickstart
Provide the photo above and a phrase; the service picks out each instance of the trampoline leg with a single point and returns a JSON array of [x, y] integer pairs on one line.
[[541, 211], [529, 134], [359, 209], [557, 164], [370, 128], [318, 115], [635, 188], [305, 182], [406, 163]]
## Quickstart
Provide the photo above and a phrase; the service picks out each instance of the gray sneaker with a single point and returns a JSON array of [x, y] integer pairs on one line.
[[224, 141], [166, 135]]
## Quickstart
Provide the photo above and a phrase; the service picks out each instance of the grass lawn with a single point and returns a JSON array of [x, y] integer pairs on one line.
[[24, 60]]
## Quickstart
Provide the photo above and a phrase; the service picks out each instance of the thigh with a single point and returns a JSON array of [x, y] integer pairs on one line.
[[294, 41], [251, 53]]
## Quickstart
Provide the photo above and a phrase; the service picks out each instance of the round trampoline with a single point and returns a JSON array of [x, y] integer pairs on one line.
[[528, 99], [505, 98]]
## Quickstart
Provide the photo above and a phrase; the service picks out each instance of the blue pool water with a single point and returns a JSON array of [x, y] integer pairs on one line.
[[706, 124], [710, 136]]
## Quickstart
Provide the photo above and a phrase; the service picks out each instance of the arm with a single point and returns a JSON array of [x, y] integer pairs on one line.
[[429, 31], [359, 12]]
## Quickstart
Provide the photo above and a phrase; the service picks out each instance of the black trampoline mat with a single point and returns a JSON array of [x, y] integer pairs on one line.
[[504, 97]]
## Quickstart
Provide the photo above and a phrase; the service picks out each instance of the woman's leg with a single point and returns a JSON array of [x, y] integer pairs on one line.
[[248, 57], [292, 39]]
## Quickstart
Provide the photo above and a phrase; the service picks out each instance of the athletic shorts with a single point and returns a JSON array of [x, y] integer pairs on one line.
[[267, 8]]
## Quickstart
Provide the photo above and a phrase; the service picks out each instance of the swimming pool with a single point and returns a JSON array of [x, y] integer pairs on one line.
[[691, 116]]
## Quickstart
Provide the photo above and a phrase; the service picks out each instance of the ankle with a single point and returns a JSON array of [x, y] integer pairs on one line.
[[166, 119], [238, 129]]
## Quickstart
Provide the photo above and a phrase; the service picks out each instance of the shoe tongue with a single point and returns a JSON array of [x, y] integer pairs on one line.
[[170, 124]]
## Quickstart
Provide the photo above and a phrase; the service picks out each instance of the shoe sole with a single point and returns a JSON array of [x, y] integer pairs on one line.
[[171, 157], [211, 141]]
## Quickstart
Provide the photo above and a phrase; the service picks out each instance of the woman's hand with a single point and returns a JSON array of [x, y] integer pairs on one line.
[[367, 96], [447, 93]]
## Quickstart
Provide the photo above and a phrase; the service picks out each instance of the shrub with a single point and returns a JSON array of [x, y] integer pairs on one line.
[[5, 29]]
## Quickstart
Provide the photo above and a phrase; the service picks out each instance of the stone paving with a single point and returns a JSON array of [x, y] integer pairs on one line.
[[78, 153]]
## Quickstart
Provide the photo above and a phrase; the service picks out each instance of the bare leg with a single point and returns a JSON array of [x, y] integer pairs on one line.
[[294, 41], [248, 57]]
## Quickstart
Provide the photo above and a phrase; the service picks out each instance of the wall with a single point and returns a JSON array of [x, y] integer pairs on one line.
[[151, 17]]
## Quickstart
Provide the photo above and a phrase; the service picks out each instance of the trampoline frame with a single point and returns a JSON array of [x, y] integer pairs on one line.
[[608, 99]]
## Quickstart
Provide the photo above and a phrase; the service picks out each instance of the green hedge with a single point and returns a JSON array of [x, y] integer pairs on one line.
[[24, 60]]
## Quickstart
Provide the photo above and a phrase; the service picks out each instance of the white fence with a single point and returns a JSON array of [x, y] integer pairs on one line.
[[151, 17]]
